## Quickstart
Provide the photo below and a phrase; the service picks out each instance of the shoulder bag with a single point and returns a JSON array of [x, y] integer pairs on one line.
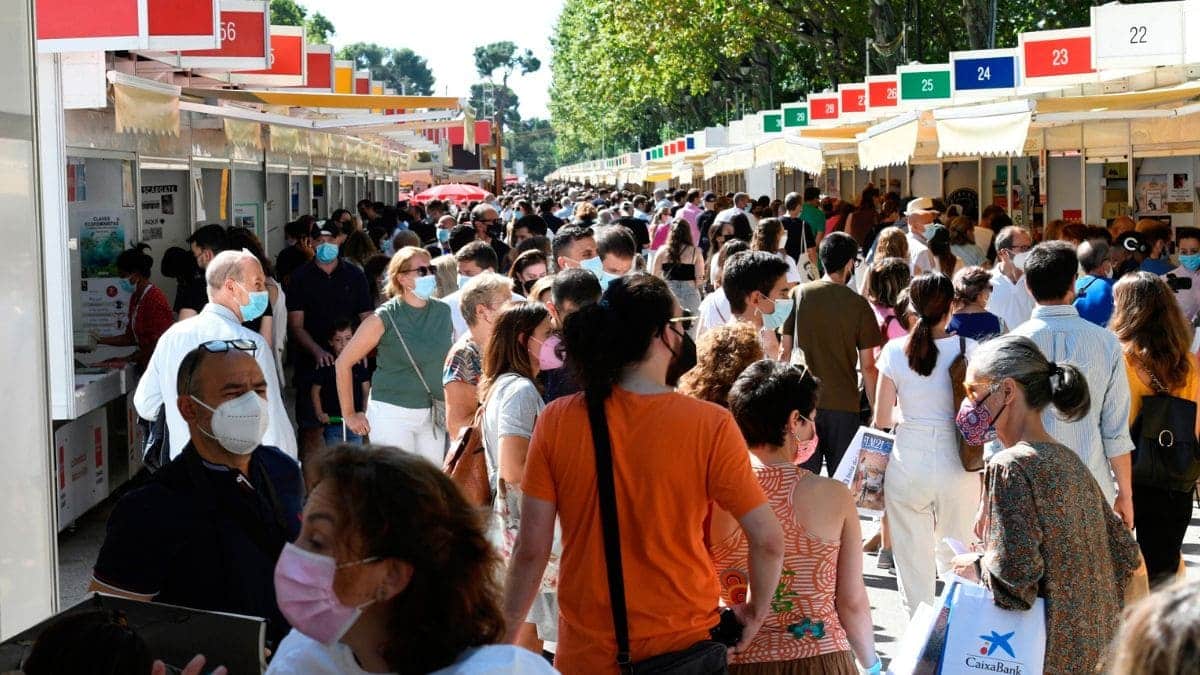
[[466, 463], [971, 456], [706, 657], [1165, 445], [437, 409]]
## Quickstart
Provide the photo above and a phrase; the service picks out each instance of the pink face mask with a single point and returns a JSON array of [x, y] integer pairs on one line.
[[806, 449], [304, 591], [548, 353]]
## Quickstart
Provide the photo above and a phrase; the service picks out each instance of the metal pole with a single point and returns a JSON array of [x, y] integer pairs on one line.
[[867, 56]]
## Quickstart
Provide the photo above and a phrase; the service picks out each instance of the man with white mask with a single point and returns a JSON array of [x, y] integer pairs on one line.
[[237, 293], [1010, 298], [207, 528]]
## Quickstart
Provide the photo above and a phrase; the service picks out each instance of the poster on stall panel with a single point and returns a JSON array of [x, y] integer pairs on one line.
[[161, 211], [1150, 193], [102, 237], [81, 465], [863, 466]]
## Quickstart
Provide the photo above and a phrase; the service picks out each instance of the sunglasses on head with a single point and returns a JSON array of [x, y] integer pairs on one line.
[[219, 347]]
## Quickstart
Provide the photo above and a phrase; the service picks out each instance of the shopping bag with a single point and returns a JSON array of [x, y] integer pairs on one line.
[[983, 638], [919, 651], [862, 468]]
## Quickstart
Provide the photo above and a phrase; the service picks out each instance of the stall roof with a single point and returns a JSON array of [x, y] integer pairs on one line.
[[1138, 100], [847, 132], [325, 100]]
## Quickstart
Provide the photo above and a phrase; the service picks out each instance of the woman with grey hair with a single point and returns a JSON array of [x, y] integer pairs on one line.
[[972, 288], [1047, 529]]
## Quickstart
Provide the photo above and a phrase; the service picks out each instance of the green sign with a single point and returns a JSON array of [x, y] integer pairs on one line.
[[795, 117], [772, 123], [925, 85]]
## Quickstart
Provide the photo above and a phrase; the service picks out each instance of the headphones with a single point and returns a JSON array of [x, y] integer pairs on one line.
[[1134, 243]]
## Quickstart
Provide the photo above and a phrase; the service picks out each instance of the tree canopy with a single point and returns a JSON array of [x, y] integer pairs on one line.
[[632, 73], [506, 58], [401, 69], [317, 27]]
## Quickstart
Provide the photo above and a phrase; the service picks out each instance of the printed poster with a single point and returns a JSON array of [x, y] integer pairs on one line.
[[247, 215], [76, 180], [1150, 194], [104, 306], [863, 466], [101, 240], [158, 207], [1181, 193]]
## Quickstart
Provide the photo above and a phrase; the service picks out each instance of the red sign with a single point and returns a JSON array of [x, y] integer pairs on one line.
[[483, 133], [320, 69], [823, 108], [854, 99], [362, 85], [1062, 56], [243, 37], [287, 53], [79, 22], [883, 94], [181, 24]]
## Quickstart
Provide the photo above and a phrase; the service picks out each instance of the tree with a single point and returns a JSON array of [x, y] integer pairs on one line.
[[318, 29], [503, 57], [484, 96], [287, 13], [401, 69], [532, 141]]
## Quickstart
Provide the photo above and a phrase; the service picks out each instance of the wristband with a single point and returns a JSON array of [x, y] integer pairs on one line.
[[875, 669]]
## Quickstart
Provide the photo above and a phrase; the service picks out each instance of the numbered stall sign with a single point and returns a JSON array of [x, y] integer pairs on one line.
[[1056, 57], [182, 24], [823, 107], [318, 73], [985, 73], [362, 82], [883, 91], [343, 77], [287, 61], [853, 97], [245, 40], [772, 121], [1134, 36], [76, 26], [923, 86], [795, 115]]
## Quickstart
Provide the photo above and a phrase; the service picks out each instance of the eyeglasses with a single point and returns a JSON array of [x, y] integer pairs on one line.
[[488, 221], [684, 317], [218, 347], [422, 271]]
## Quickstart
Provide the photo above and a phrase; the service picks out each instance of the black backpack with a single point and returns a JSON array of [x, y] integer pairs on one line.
[[1166, 453]]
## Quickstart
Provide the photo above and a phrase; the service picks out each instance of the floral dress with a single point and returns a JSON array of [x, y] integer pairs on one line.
[[1050, 533]]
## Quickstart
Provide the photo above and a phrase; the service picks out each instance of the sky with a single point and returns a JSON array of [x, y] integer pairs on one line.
[[449, 48]]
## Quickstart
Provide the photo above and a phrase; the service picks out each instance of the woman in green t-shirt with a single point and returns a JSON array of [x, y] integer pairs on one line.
[[412, 332]]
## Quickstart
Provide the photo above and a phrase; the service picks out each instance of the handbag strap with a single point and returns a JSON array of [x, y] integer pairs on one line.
[[407, 353], [607, 492]]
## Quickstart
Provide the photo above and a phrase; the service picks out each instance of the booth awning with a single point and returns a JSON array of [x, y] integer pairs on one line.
[[796, 153], [889, 143], [144, 106], [324, 100], [991, 130]]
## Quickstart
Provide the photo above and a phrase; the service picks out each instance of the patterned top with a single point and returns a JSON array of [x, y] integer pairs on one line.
[[1050, 533], [804, 620], [464, 362]]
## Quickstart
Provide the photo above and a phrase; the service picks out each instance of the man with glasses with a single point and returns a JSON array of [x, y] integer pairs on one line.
[[1010, 299], [490, 229], [321, 292], [236, 293], [205, 532]]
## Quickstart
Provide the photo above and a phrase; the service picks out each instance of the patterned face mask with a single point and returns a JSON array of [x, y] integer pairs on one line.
[[975, 421]]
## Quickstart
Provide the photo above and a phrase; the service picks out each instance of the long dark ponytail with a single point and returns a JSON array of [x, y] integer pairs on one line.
[[603, 338], [930, 296]]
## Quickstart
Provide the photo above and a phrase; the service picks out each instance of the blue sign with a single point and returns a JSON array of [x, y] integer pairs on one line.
[[691, 142], [994, 72]]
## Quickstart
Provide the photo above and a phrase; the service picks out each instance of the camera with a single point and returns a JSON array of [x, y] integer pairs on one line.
[[1178, 283]]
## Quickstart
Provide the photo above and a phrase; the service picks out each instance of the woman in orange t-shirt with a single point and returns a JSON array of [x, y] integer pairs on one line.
[[672, 456]]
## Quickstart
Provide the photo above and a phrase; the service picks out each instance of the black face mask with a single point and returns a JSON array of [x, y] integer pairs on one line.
[[683, 360], [496, 230]]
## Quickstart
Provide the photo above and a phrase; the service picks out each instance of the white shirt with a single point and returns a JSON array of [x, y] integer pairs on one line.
[[301, 655], [919, 255], [158, 385], [1010, 301], [714, 311], [925, 399], [454, 300]]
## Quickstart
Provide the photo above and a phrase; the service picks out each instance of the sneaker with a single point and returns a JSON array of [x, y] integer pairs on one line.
[[885, 561]]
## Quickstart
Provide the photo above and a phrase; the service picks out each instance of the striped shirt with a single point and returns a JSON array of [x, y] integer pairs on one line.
[[1065, 337]]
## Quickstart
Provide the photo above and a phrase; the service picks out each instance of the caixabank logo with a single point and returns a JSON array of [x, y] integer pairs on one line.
[[992, 651]]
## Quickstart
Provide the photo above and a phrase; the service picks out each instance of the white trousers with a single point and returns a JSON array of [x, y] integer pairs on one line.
[[928, 496], [410, 429]]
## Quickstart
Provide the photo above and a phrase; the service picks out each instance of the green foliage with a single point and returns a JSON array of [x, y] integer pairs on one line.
[[503, 56], [486, 98], [633, 73], [318, 29], [401, 69], [287, 13], [532, 141]]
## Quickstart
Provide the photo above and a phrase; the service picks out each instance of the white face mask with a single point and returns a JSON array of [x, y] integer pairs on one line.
[[238, 424], [1019, 259]]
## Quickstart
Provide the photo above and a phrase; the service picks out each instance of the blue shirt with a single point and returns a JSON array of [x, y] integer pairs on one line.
[[1159, 266], [978, 326], [1103, 433], [1094, 298]]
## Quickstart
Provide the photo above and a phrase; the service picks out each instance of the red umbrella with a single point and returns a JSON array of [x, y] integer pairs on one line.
[[455, 192]]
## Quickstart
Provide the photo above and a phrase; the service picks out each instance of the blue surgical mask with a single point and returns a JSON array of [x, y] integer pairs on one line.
[[127, 286], [463, 279], [776, 319], [258, 304], [426, 286], [593, 265], [607, 278], [443, 235], [327, 253], [1192, 261]]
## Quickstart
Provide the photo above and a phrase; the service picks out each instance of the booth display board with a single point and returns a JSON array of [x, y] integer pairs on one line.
[[985, 73], [924, 85], [1056, 57], [287, 61], [1145, 34], [823, 107], [76, 26], [853, 98], [182, 24], [318, 73], [772, 122], [81, 465], [245, 40], [883, 92], [795, 115]]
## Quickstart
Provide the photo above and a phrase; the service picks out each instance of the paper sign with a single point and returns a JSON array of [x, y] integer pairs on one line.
[[1138, 35], [1181, 188], [1150, 195], [862, 468]]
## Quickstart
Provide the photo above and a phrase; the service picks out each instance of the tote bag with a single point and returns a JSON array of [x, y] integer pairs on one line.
[[983, 638]]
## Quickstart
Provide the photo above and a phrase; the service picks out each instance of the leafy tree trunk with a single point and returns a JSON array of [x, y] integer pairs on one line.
[[886, 54], [977, 16]]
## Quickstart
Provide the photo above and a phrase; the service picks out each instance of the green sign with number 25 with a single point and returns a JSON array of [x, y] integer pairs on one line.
[[925, 85]]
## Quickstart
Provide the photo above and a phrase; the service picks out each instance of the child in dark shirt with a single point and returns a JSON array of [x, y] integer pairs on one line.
[[324, 388]]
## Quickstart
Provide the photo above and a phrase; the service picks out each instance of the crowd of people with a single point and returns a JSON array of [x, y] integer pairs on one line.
[[655, 384]]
